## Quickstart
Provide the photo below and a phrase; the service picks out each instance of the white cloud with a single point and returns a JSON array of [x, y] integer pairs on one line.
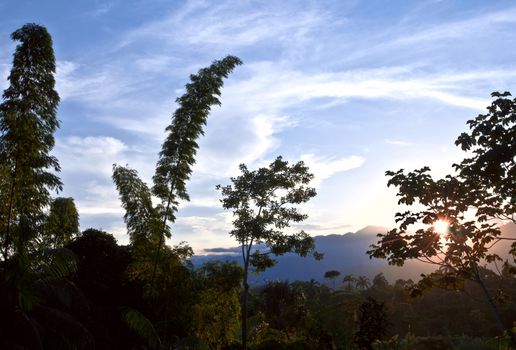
[[91, 154], [460, 28], [202, 232], [85, 208], [237, 139], [94, 88], [107, 86], [398, 143], [101, 10], [227, 24], [203, 201], [4, 73], [325, 226], [99, 199], [156, 63], [282, 88], [270, 89], [325, 167], [87, 161]]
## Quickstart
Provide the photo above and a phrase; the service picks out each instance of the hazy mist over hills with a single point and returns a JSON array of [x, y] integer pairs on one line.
[[342, 252], [345, 253]]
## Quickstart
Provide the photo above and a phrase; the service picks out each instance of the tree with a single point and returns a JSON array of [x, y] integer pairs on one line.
[[143, 223], [380, 282], [113, 318], [215, 315], [332, 275], [141, 217], [362, 282], [62, 223], [483, 187], [36, 299], [27, 124], [349, 279], [178, 152], [372, 324], [283, 306], [27, 174], [260, 202]]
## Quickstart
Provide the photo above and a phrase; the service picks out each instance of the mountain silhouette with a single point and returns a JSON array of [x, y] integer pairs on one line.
[[345, 253]]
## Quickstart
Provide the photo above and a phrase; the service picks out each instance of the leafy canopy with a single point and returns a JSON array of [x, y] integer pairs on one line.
[[483, 189], [474, 201], [178, 152], [62, 222], [263, 203], [27, 124], [332, 274], [141, 217]]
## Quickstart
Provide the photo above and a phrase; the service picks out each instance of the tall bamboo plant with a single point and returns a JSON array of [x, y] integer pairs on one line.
[[178, 152], [27, 125], [28, 279], [176, 158]]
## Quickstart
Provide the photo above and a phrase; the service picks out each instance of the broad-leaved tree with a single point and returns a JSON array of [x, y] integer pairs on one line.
[[473, 202], [264, 204]]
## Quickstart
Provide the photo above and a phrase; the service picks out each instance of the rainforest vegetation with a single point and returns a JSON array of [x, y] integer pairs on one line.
[[62, 288]]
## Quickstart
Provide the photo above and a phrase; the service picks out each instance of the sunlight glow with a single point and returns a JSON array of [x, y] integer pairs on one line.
[[441, 227]]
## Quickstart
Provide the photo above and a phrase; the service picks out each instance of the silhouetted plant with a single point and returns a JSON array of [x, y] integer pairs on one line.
[[27, 124], [259, 200], [332, 275], [372, 324], [484, 185]]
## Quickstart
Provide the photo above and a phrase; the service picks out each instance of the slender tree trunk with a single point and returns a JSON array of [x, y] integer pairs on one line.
[[244, 310], [246, 254], [9, 214], [495, 310], [161, 236]]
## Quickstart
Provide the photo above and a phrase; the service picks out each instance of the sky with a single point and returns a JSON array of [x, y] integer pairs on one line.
[[353, 88]]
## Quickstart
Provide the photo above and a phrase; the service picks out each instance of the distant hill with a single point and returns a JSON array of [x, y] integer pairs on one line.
[[345, 253]]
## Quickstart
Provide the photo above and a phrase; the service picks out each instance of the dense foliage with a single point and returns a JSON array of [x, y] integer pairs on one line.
[[27, 125]]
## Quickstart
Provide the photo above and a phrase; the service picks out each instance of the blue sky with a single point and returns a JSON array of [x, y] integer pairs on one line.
[[353, 88]]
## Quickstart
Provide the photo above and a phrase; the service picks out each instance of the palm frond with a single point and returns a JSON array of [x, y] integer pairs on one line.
[[65, 327], [25, 331], [141, 325], [62, 294]]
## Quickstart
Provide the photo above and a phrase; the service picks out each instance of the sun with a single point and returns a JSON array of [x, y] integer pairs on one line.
[[441, 227]]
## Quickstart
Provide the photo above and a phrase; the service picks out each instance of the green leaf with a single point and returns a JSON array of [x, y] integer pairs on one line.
[[141, 325]]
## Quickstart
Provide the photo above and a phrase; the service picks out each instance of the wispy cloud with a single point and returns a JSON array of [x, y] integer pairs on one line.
[[253, 137], [325, 167], [4, 73], [459, 28], [321, 227], [107, 86], [399, 143], [204, 231], [101, 10], [92, 154], [222, 28], [99, 199]]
